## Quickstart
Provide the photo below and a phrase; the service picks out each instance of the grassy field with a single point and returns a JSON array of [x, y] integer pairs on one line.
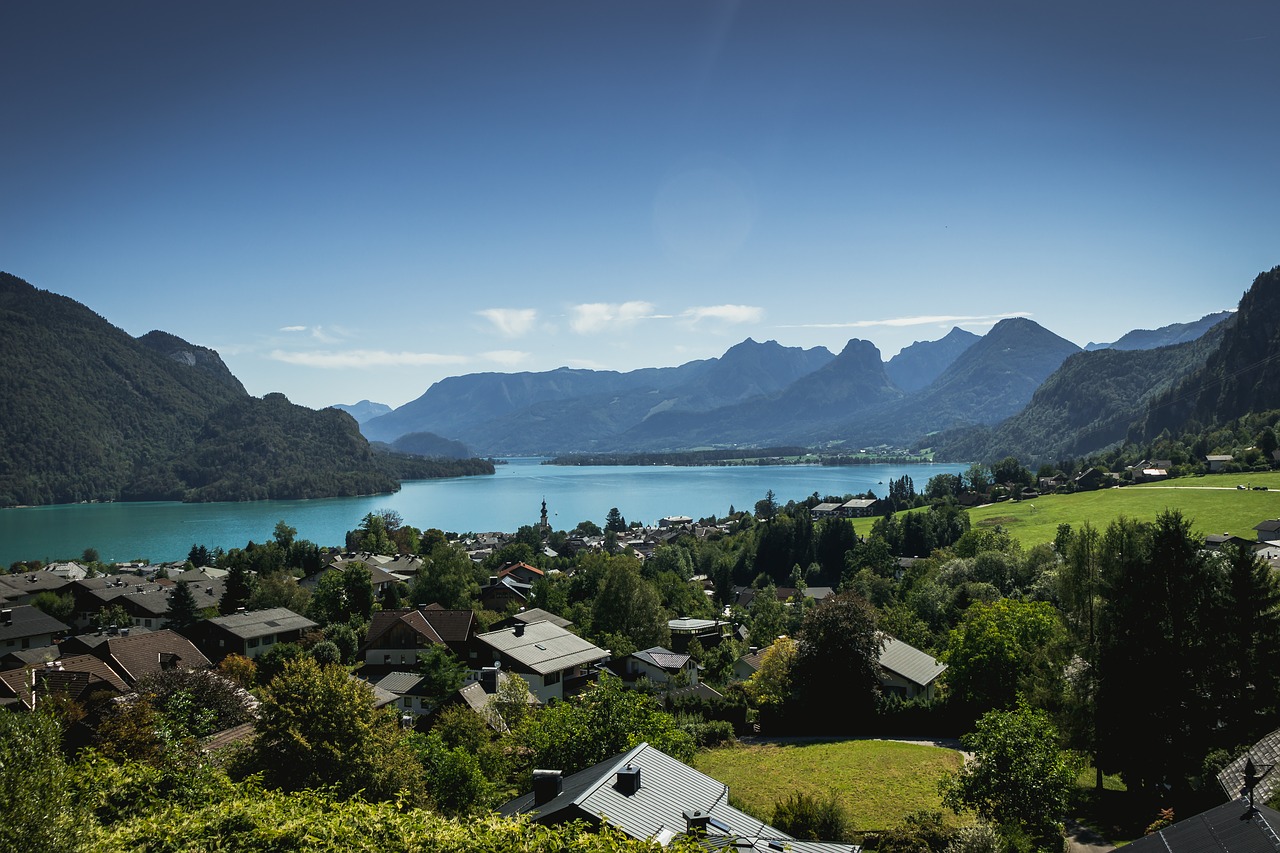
[[878, 781], [1213, 503]]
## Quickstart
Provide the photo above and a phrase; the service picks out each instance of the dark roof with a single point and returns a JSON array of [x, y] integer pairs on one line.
[[1229, 827], [75, 676], [662, 658], [27, 621], [144, 654], [13, 587], [453, 626], [259, 623], [668, 788], [432, 622]]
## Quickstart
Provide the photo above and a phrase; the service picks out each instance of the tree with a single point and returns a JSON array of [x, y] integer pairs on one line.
[[284, 534], [771, 684], [629, 605], [510, 705], [614, 521], [280, 589], [1250, 643], [442, 673], [978, 478], [237, 590], [183, 611], [1003, 649], [318, 727], [61, 607], [38, 808], [602, 721], [1160, 655], [768, 507], [448, 578], [837, 664], [1018, 775]]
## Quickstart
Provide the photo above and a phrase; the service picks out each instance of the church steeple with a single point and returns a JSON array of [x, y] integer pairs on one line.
[[543, 524]]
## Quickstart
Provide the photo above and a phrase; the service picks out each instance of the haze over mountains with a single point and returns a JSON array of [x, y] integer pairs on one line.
[[954, 390]]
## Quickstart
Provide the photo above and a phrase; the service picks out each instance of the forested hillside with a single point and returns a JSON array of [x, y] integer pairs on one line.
[[93, 414]]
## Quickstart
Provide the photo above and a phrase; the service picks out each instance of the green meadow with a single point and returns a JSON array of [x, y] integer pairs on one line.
[[879, 782], [1212, 502]]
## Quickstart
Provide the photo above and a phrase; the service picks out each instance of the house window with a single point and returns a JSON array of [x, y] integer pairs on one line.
[[269, 639], [253, 643], [401, 658], [551, 678], [386, 659], [408, 701], [146, 622], [26, 642]]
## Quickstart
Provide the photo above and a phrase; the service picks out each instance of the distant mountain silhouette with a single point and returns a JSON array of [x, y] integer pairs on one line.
[[919, 364], [363, 411], [1175, 333]]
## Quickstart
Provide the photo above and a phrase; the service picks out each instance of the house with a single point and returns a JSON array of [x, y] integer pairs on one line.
[[1264, 753], [908, 672], [825, 510], [137, 655], [553, 661], [859, 508], [1218, 461], [675, 521], [748, 665], [523, 572], [533, 614], [480, 693], [78, 678], [649, 795], [27, 627], [661, 666], [1233, 827], [1222, 541], [380, 578], [708, 632], [22, 588], [145, 602], [1269, 530], [1088, 480], [395, 637], [409, 690], [503, 593], [249, 634]]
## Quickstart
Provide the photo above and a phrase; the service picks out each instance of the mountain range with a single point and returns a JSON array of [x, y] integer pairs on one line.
[[96, 414], [953, 392]]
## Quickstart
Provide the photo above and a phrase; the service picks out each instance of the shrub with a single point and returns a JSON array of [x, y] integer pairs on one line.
[[811, 818]]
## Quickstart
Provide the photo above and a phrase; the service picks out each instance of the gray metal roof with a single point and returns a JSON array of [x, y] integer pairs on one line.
[[1265, 752], [400, 683], [1227, 827], [258, 623], [909, 662], [668, 788], [543, 647]]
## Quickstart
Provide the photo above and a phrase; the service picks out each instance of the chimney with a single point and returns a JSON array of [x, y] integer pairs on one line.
[[695, 821], [628, 780], [8, 616], [546, 785], [489, 679], [519, 629]]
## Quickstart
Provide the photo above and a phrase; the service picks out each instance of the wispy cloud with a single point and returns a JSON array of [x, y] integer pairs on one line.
[[596, 317], [922, 320], [293, 328], [364, 358], [725, 313], [510, 322], [509, 357]]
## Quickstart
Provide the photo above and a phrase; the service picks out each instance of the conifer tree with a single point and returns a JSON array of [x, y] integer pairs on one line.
[[183, 611]]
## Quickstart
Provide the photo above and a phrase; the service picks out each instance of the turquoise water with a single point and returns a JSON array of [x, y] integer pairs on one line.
[[505, 501]]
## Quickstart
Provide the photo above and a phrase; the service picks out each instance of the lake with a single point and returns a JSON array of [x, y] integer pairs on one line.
[[163, 531]]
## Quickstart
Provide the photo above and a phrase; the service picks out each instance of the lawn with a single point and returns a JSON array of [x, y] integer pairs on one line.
[[879, 782], [1212, 502]]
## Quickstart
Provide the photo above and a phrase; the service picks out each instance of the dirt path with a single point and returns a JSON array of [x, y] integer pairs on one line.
[[1082, 839]]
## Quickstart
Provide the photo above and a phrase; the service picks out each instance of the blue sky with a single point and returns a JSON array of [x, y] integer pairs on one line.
[[354, 200]]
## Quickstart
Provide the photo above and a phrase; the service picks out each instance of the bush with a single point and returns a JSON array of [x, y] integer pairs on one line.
[[919, 831], [811, 818]]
